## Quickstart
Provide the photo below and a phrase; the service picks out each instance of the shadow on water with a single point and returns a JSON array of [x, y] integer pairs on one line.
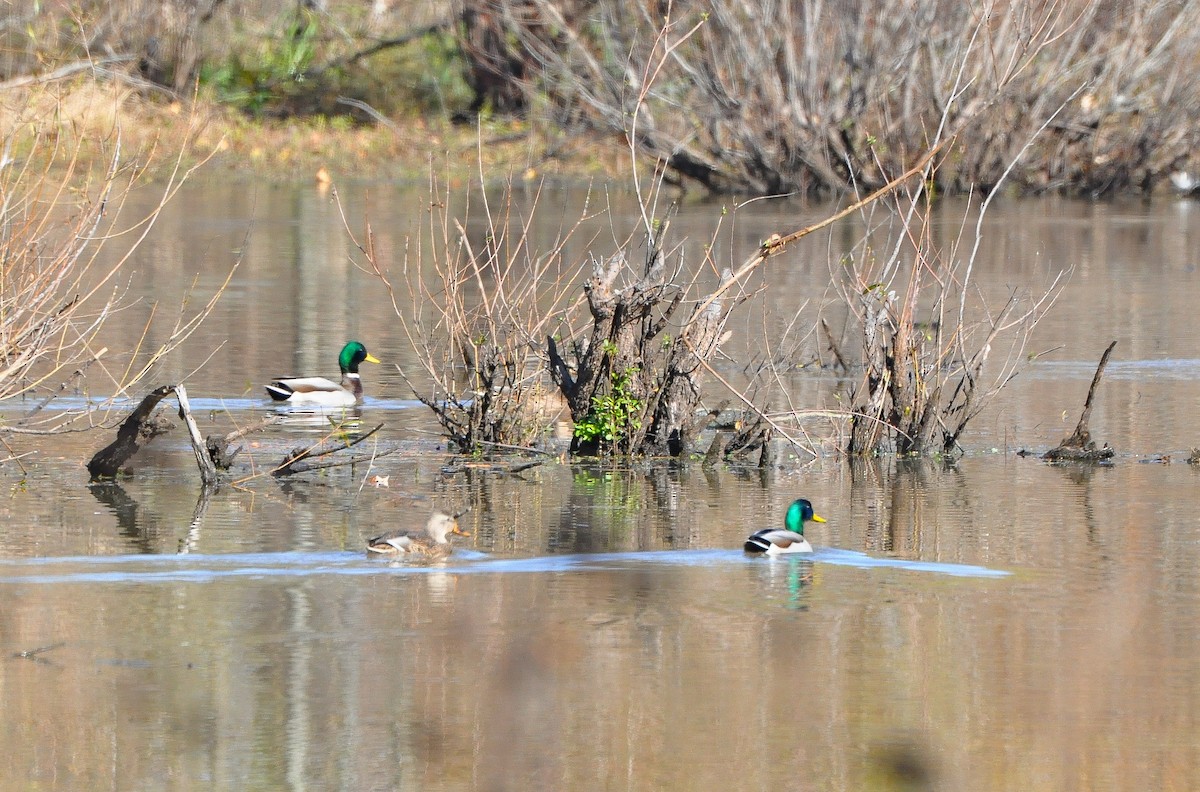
[[113, 496], [890, 496]]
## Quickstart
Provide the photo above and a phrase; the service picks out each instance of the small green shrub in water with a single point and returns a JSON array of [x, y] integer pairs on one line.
[[613, 416]]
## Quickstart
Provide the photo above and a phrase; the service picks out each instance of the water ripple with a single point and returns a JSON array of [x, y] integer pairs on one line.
[[207, 568]]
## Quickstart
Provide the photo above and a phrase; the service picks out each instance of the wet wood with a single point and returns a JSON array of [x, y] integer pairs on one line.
[[833, 346], [36, 654], [208, 471], [220, 448], [214, 453], [716, 450], [510, 469], [139, 428], [766, 457], [302, 460], [1079, 446], [142, 426]]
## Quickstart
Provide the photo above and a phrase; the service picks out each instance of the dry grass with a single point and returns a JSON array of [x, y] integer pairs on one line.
[[88, 112]]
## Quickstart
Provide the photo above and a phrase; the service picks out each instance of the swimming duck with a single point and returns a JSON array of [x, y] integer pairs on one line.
[[432, 542], [790, 538], [320, 392]]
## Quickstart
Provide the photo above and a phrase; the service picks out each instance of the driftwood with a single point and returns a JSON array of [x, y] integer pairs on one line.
[[513, 469], [716, 451], [36, 654], [1079, 446], [833, 346], [142, 426], [220, 447], [302, 460]]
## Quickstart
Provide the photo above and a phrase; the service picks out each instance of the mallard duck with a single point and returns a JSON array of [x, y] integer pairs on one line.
[[432, 542], [789, 538], [321, 392]]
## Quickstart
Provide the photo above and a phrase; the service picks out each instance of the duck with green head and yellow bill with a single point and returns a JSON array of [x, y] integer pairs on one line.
[[320, 392], [789, 538], [430, 543]]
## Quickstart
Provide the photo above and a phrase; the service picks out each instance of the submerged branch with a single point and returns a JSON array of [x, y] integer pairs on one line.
[[301, 460]]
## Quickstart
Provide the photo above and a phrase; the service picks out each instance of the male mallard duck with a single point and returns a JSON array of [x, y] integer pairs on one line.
[[790, 538], [432, 542], [321, 392]]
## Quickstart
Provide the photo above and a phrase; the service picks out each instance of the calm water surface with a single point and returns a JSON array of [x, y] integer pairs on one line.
[[995, 624]]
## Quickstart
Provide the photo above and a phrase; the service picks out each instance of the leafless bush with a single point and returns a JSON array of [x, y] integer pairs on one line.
[[159, 40], [632, 376], [927, 334], [493, 322], [631, 371], [807, 96], [476, 308], [934, 350], [505, 345], [56, 217], [297, 57]]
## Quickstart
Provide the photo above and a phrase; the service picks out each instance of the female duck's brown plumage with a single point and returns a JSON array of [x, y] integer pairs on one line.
[[431, 542]]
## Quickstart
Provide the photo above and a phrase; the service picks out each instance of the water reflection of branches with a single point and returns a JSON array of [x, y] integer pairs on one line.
[[895, 494], [142, 530]]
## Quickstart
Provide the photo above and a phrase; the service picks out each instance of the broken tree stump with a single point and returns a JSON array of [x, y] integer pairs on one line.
[[208, 471], [220, 447], [139, 428], [1079, 446], [142, 426]]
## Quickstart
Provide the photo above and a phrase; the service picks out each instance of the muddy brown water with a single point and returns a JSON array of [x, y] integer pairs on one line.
[[994, 624]]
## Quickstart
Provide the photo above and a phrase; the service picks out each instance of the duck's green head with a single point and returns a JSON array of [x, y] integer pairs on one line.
[[353, 354], [798, 513]]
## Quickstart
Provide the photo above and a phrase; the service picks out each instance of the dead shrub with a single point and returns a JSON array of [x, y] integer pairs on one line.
[[808, 96], [476, 307], [56, 216]]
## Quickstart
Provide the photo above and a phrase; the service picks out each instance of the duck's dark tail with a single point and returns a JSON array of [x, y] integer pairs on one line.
[[756, 545], [279, 391]]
